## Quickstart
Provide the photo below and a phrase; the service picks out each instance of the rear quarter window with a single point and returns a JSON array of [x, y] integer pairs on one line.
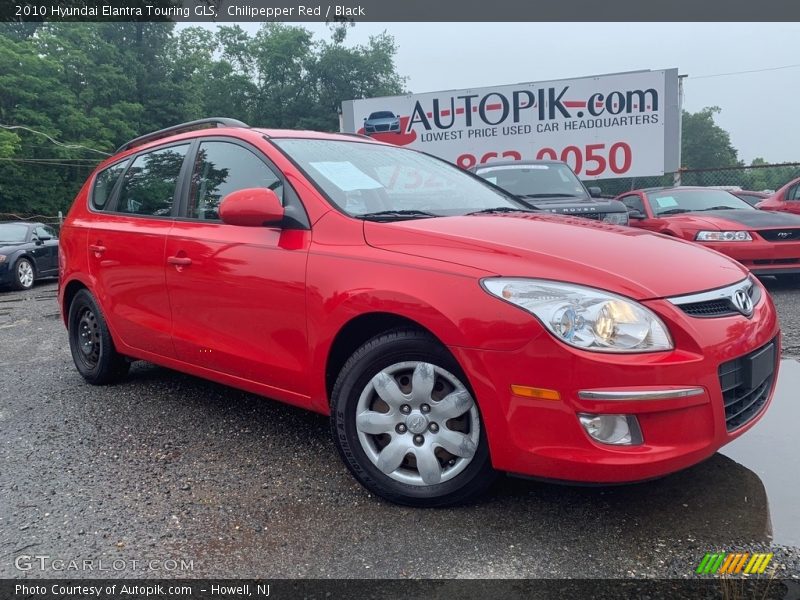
[[104, 185]]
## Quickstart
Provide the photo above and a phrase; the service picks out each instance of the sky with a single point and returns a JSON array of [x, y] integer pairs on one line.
[[759, 110]]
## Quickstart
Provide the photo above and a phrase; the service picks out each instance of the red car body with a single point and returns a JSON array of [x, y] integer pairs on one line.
[[774, 247], [277, 311], [786, 199]]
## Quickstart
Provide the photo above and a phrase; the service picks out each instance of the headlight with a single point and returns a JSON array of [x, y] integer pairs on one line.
[[618, 218], [2, 258], [723, 236], [585, 317]]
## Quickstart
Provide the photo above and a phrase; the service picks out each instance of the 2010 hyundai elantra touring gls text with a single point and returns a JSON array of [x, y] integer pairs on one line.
[[449, 330]]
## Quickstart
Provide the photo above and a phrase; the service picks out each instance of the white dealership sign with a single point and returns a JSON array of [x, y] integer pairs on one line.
[[607, 126]]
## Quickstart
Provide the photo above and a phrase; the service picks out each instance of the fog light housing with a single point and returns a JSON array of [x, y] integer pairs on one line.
[[615, 430]]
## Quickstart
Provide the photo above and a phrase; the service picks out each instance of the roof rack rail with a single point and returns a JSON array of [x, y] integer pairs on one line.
[[182, 128]]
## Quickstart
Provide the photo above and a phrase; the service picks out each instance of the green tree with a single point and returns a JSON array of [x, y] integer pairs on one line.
[[100, 84], [705, 144]]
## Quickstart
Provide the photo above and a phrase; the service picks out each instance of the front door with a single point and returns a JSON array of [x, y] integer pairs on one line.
[[238, 293]]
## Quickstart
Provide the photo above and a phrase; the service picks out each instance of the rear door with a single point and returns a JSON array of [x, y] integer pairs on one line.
[[126, 244], [238, 293]]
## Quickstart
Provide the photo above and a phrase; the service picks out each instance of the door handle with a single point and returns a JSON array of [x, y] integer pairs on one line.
[[179, 261], [97, 248]]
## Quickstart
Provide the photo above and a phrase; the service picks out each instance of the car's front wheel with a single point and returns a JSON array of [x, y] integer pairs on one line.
[[93, 351], [24, 275], [406, 423]]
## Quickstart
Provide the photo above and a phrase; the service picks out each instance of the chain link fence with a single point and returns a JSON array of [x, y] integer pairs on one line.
[[53, 221], [758, 178]]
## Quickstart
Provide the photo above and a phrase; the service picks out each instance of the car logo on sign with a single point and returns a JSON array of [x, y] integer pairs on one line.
[[743, 302]]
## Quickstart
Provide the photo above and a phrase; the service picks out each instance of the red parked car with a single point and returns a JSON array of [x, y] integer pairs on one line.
[[449, 331], [767, 243], [786, 199]]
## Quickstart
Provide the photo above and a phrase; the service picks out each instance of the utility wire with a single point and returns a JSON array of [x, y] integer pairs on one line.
[[56, 142], [744, 72]]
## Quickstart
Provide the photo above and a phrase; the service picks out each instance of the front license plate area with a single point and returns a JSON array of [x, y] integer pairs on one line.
[[759, 366]]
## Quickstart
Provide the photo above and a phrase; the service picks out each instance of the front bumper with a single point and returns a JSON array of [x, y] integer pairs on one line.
[[760, 256], [543, 438]]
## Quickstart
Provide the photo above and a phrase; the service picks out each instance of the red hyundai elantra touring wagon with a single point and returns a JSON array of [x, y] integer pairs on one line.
[[449, 330]]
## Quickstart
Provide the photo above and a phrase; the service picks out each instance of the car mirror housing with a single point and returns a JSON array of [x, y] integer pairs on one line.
[[595, 192], [252, 207], [635, 214]]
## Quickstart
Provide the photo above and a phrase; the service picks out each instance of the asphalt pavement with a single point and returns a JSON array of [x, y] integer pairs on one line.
[[167, 475]]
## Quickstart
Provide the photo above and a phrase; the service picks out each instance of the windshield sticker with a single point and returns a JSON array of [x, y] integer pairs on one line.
[[346, 176], [666, 202], [492, 180]]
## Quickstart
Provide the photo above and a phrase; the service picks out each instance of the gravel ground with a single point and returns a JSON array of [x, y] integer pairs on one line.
[[167, 467]]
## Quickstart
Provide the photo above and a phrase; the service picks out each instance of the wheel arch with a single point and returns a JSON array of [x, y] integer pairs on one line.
[[70, 290], [356, 332]]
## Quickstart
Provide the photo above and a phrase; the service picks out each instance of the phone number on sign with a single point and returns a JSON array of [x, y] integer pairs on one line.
[[590, 160]]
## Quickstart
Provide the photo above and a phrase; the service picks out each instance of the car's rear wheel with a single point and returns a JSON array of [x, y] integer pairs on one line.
[[93, 351], [406, 423], [24, 275]]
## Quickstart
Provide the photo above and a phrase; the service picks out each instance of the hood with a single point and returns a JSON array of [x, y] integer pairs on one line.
[[383, 121], [8, 248], [738, 220], [579, 205], [624, 260]]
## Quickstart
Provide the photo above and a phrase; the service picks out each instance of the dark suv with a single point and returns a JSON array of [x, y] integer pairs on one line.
[[552, 186]]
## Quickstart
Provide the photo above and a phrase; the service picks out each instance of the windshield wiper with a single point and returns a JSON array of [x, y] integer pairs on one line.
[[548, 196], [499, 209], [399, 214], [673, 211], [716, 208]]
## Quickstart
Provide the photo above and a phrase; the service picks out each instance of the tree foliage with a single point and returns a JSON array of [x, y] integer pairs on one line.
[[100, 84], [704, 144]]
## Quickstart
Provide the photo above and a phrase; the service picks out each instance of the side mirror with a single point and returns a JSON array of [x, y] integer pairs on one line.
[[252, 207], [634, 213], [44, 237], [595, 192]]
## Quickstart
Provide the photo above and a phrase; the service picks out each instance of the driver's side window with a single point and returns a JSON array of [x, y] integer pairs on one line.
[[44, 233], [794, 193]]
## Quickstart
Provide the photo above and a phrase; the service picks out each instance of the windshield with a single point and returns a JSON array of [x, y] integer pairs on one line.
[[676, 201], [382, 115], [12, 232], [535, 181], [364, 179]]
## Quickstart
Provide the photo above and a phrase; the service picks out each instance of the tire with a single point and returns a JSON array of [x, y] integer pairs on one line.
[[382, 446], [93, 351], [24, 275]]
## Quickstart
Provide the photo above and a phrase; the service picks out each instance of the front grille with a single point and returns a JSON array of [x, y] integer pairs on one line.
[[780, 235], [776, 261], [718, 307], [746, 383], [381, 128], [710, 308]]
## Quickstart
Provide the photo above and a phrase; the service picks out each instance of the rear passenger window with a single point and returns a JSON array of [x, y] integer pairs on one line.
[[104, 185], [222, 168], [149, 184]]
